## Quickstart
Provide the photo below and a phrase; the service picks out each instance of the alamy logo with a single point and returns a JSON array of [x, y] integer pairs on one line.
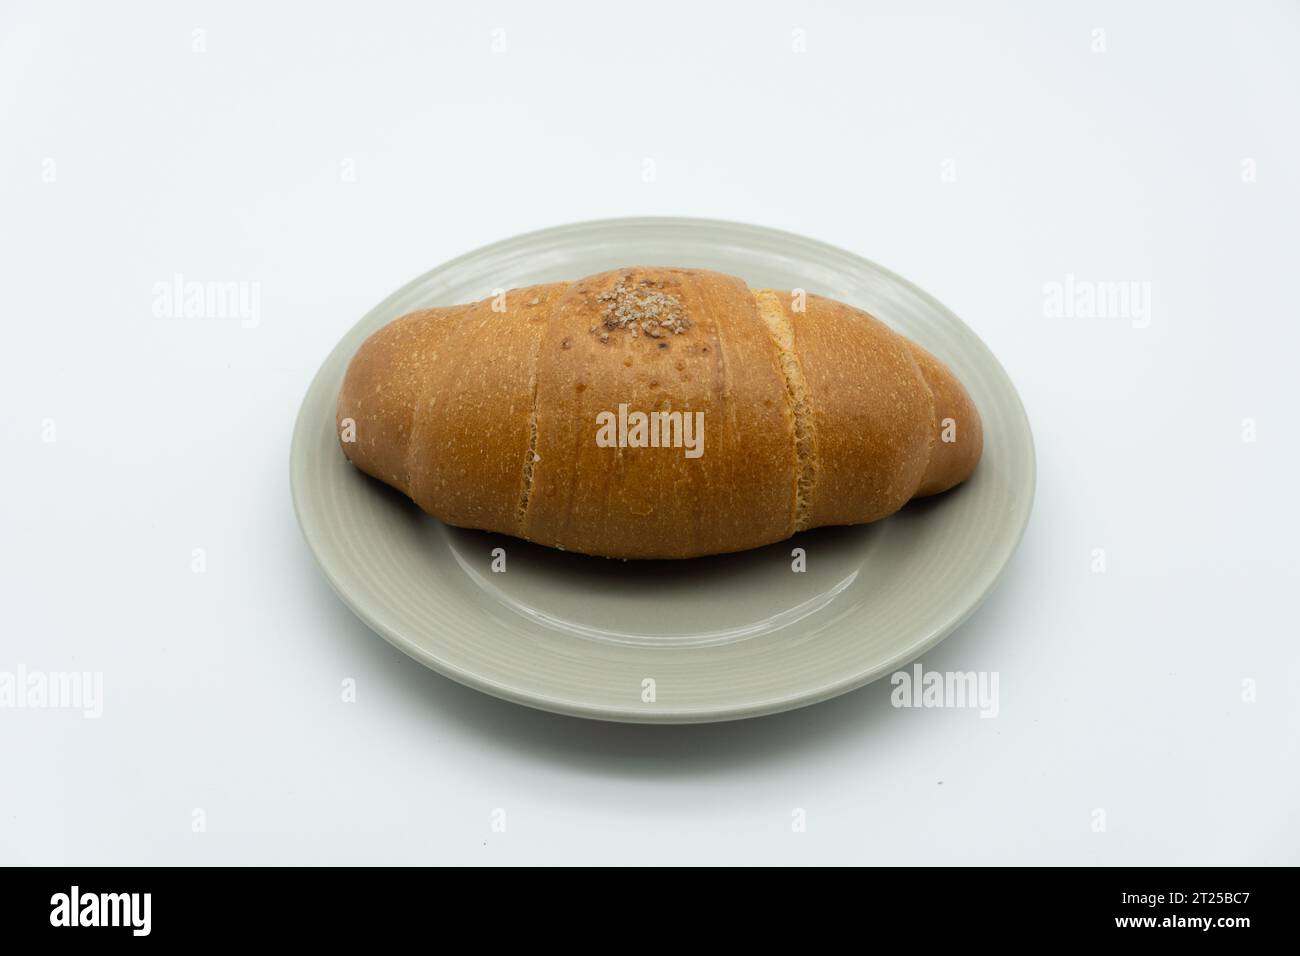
[[651, 430], [922, 688], [181, 299], [1089, 299], [102, 909], [53, 690]]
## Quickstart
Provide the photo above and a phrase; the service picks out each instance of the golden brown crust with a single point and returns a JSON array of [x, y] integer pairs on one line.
[[488, 417], [656, 502], [870, 415]]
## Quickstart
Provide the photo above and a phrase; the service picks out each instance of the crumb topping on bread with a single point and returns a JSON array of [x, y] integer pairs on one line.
[[644, 309]]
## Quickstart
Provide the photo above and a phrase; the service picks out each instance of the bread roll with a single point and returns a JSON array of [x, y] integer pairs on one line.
[[519, 414]]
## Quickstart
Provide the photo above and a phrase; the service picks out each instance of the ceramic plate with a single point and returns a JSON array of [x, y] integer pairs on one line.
[[669, 642]]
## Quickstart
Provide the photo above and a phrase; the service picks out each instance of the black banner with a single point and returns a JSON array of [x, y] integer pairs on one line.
[[303, 905]]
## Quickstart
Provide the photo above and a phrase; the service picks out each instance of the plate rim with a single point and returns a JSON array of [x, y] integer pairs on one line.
[[670, 715]]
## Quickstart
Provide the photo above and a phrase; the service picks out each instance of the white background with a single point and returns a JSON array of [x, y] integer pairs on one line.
[[128, 157]]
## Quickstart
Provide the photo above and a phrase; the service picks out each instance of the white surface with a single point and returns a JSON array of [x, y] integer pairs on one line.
[[1120, 691]]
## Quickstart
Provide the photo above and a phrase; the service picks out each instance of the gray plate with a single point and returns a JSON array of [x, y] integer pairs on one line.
[[721, 638]]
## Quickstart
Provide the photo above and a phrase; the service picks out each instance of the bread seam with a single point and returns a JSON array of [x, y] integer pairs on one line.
[[419, 422], [804, 433], [530, 457], [934, 419]]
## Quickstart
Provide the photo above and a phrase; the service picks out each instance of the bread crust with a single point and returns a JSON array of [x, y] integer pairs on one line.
[[814, 413]]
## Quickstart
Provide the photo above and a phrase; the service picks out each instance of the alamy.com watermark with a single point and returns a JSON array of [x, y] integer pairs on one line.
[[946, 689], [23, 689], [630, 429], [181, 298], [1074, 298]]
